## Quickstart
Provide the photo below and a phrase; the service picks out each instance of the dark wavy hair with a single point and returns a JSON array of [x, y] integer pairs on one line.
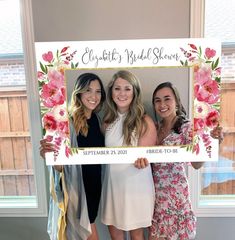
[[180, 113]]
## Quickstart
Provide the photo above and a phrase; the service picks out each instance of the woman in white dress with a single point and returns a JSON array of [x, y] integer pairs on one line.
[[128, 193]]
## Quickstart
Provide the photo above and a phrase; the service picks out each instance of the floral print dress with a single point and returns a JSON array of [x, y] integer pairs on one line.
[[173, 217]]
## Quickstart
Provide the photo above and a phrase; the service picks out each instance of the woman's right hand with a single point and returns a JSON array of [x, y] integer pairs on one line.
[[141, 163], [47, 146]]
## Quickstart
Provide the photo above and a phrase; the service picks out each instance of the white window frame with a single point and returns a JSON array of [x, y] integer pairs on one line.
[[18, 207], [214, 209]]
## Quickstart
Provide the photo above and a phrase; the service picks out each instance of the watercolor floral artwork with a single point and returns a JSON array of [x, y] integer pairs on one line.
[[207, 78], [53, 96]]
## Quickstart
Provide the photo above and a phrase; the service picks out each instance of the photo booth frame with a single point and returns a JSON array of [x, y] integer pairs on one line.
[[202, 56]]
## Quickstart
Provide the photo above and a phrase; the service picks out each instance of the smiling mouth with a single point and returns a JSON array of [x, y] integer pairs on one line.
[[92, 102], [122, 100], [163, 110]]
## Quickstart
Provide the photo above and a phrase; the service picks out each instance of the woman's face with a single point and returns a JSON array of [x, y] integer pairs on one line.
[[165, 103], [122, 94], [91, 98]]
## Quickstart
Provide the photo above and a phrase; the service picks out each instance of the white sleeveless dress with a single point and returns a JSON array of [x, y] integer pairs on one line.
[[127, 200]]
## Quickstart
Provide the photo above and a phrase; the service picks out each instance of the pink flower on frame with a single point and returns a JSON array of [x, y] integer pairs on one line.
[[210, 53], [196, 148], [63, 128], [52, 96], [53, 93], [202, 74], [193, 46], [218, 71], [49, 122], [49, 138], [208, 92], [201, 109], [56, 78], [67, 151], [64, 49], [212, 119], [40, 75], [199, 124], [58, 141], [206, 139], [60, 113], [48, 57]]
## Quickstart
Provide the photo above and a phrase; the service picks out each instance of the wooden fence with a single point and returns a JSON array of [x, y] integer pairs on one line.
[[16, 171]]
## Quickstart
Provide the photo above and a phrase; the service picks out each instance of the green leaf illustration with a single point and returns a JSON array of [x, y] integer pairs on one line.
[[43, 68], [215, 65]]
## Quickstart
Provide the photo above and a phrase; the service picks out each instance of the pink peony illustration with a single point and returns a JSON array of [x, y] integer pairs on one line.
[[202, 74], [53, 93], [208, 92], [212, 119], [49, 122]]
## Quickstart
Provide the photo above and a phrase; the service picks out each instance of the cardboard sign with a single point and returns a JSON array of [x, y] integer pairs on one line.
[[59, 63]]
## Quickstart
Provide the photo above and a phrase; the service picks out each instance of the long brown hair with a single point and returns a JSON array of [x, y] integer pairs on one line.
[[76, 108], [134, 121]]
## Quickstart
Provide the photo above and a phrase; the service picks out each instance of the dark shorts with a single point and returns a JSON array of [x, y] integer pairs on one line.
[[92, 182]]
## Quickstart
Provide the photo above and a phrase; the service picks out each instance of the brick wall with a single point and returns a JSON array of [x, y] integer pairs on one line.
[[228, 65], [12, 74]]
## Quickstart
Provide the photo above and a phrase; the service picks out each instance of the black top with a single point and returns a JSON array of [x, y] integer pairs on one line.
[[91, 174], [94, 137]]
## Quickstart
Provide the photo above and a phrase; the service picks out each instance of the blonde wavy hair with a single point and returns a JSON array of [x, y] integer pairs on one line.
[[134, 122], [76, 109]]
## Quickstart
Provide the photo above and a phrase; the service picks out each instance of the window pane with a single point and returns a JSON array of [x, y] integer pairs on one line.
[[217, 179], [17, 187], [219, 19]]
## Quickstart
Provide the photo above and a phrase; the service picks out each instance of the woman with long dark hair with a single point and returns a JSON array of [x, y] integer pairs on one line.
[[76, 189]]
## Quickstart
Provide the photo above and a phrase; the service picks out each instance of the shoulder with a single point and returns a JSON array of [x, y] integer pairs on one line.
[[148, 119], [148, 136]]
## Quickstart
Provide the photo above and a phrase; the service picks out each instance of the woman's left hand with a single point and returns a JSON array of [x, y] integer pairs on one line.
[[217, 133]]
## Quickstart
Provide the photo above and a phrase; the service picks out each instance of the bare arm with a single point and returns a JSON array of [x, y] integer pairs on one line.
[[148, 138]]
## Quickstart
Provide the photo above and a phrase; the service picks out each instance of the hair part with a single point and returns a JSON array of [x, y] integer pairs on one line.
[[76, 108]]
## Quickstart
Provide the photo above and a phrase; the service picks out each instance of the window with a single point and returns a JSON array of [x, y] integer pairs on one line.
[[22, 173], [214, 191]]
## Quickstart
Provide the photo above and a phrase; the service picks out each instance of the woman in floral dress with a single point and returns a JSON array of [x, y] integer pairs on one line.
[[173, 217]]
